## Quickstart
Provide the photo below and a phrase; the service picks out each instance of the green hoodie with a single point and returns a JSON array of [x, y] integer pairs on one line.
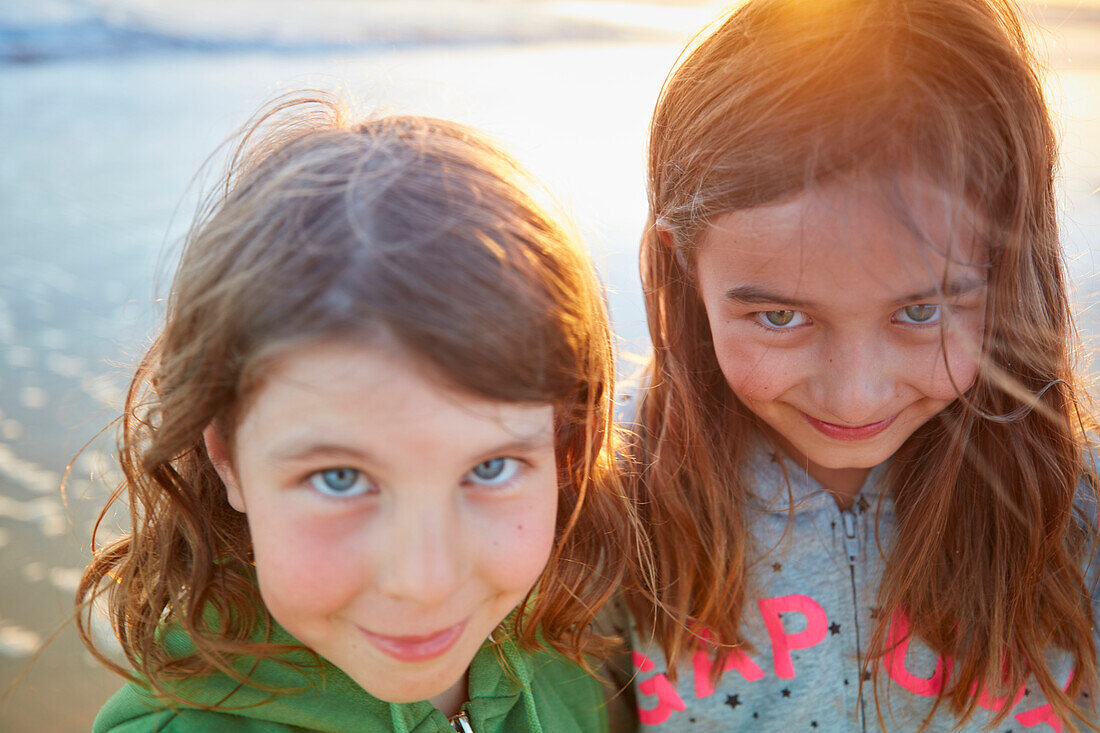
[[549, 694]]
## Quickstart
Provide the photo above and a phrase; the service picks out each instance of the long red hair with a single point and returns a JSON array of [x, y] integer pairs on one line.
[[988, 560]]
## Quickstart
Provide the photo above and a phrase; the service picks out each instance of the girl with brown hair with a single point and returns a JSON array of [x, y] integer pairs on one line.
[[863, 453], [366, 458]]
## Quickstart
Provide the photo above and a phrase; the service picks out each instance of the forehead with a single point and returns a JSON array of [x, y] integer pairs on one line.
[[845, 241]]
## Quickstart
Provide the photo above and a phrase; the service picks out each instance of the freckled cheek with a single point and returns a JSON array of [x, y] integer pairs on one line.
[[949, 377], [754, 372], [515, 547]]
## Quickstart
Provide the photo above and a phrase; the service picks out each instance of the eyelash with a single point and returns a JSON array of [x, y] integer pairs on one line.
[[760, 318], [935, 319], [511, 468], [318, 476]]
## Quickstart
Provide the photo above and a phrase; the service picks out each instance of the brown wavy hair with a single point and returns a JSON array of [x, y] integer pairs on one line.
[[420, 229], [990, 551]]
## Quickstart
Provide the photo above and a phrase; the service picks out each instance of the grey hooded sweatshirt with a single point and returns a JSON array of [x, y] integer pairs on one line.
[[809, 620]]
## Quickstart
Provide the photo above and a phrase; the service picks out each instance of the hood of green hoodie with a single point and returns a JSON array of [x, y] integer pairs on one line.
[[296, 690]]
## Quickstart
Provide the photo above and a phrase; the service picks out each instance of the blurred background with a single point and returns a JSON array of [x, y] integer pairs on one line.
[[109, 107]]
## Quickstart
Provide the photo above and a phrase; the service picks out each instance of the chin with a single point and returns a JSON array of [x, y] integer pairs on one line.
[[396, 690], [841, 465], [842, 457]]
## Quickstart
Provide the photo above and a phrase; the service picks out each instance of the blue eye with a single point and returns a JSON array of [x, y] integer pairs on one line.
[[781, 319], [340, 482], [920, 314], [494, 471]]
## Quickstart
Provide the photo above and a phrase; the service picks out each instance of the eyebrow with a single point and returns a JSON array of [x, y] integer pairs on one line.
[[954, 288], [297, 452], [756, 295]]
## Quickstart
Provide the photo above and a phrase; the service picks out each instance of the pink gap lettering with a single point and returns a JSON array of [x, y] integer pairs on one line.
[[659, 699]]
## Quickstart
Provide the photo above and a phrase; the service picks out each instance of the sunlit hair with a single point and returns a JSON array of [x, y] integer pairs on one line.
[[787, 95], [404, 229]]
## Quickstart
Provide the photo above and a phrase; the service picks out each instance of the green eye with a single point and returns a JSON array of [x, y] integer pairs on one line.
[[779, 318], [923, 313]]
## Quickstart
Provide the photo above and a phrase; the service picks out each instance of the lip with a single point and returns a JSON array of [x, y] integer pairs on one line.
[[416, 648], [850, 434]]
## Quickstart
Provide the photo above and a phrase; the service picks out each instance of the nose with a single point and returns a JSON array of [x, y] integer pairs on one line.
[[424, 559], [857, 379]]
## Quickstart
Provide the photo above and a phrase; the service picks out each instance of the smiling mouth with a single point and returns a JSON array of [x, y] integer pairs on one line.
[[416, 648], [842, 432]]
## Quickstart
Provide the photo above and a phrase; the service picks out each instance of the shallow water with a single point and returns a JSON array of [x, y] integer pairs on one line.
[[97, 155]]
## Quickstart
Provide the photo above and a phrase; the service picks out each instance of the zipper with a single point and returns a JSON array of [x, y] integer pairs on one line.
[[851, 541], [461, 722], [851, 549]]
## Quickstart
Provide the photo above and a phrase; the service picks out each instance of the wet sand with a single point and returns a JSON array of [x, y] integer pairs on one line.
[[97, 157]]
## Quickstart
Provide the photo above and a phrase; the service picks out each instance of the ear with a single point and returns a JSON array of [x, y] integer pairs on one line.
[[218, 450]]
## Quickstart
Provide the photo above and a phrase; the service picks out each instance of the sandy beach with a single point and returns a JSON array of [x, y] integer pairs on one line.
[[107, 110]]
